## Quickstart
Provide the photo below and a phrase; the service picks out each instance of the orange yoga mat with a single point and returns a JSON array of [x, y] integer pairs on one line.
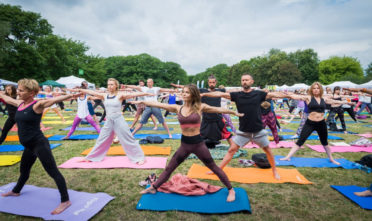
[[147, 150], [16, 138], [250, 175]]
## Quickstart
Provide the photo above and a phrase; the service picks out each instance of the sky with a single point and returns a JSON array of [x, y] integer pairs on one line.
[[198, 34]]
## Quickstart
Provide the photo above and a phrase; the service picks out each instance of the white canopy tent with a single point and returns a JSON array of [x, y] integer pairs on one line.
[[72, 81], [342, 84], [365, 85], [6, 82], [298, 86], [282, 88]]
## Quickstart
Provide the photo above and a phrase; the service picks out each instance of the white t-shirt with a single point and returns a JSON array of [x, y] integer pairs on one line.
[[153, 90]]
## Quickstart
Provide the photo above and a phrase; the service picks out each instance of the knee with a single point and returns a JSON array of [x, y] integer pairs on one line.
[[233, 149]]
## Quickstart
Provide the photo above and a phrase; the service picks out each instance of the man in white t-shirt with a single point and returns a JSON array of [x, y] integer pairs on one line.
[[151, 110]]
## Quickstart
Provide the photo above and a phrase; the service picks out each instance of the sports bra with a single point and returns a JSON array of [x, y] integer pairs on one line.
[[193, 120], [314, 106]]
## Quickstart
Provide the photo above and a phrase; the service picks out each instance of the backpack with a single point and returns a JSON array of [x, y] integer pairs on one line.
[[261, 161], [366, 160], [154, 139]]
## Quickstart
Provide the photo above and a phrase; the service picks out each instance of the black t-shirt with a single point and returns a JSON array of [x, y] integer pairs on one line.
[[249, 104], [211, 101]]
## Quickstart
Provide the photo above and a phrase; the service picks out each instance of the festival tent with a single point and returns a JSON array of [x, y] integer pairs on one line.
[[52, 83], [298, 86], [343, 84], [282, 88], [6, 82], [72, 81], [366, 85]]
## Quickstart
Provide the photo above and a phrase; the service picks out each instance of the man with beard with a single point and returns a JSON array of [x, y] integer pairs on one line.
[[248, 101], [213, 127]]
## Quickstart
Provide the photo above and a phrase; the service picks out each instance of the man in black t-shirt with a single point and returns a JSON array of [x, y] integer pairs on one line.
[[248, 101]]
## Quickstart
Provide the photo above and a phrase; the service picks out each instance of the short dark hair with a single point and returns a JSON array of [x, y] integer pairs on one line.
[[211, 77]]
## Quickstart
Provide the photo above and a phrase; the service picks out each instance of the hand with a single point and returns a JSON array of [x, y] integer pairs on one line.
[[238, 114], [74, 96], [135, 102], [73, 90]]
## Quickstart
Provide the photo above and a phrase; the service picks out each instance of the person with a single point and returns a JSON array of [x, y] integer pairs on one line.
[[172, 96], [11, 91], [269, 119], [98, 102], [82, 113], [191, 142], [365, 193], [315, 121], [84, 85], [141, 108], [49, 95], [248, 102], [114, 124], [58, 91], [28, 117], [336, 109], [151, 110]]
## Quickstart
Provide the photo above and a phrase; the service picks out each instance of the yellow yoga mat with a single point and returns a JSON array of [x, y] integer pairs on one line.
[[250, 175], [16, 138], [57, 122], [147, 150], [7, 160], [55, 117]]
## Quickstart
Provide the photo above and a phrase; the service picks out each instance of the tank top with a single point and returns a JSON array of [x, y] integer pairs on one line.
[[112, 105], [82, 110], [193, 120], [28, 123], [172, 99], [313, 106]]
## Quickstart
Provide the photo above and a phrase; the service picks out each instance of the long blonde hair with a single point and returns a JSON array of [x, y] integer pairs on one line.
[[195, 97]]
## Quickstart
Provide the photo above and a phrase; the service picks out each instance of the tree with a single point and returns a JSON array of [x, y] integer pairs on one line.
[[307, 62], [340, 69], [220, 71]]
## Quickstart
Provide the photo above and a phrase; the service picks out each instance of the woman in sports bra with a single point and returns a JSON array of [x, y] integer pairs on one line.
[[191, 142], [114, 124], [316, 106], [28, 117]]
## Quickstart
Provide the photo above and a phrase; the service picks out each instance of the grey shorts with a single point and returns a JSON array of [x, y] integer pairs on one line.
[[260, 138], [151, 110]]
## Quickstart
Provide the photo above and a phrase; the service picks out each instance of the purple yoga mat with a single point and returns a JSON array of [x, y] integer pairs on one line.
[[41, 201], [341, 149], [115, 162]]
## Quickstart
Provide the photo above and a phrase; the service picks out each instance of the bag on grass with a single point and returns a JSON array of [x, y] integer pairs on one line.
[[366, 160], [261, 160], [154, 139]]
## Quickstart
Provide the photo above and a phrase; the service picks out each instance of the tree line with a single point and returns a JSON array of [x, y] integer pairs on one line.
[[28, 48]]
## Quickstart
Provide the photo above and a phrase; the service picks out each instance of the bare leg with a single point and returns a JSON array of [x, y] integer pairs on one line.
[[134, 121], [270, 157], [328, 151], [229, 155], [167, 129], [155, 123], [59, 114], [61, 207], [151, 190], [138, 127], [291, 152]]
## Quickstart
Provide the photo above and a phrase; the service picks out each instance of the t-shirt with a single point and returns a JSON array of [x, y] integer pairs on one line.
[[211, 101], [249, 104], [153, 90]]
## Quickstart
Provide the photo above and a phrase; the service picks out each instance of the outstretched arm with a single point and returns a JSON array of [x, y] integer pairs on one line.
[[277, 95], [10, 100], [177, 85], [219, 110], [299, 97], [91, 92], [42, 104], [168, 107], [336, 102], [138, 88], [216, 94], [134, 94], [365, 90]]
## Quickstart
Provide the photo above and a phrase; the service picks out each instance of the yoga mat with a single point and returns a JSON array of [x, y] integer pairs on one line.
[[312, 137], [55, 117], [250, 175], [315, 162], [56, 122], [16, 138], [348, 191], [41, 201], [92, 128], [159, 128], [147, 150], [8, 160], [115, 162], [213, 203], [272, 144], [340, 132], [341, 149], [74, 137], [367, 125], [219, 152], [365, 135], [19, 147], [164, 136]]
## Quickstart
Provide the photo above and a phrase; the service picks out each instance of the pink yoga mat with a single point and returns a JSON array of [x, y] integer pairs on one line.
[[272, 144], [365, 135], [115, 162], [336, 149]]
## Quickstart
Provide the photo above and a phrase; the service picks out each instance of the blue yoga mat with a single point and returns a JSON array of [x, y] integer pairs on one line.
[[19, 147], [74, 137], [314, 162], [348, 192], [312, 137], [210, 203], [164, 136], [367, 125], [340, 132]]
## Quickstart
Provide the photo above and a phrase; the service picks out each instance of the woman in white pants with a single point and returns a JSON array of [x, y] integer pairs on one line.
[[115, 124]]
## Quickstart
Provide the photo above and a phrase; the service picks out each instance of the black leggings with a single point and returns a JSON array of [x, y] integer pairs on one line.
[[331, 117], [201, 151], [100, 103], [9, 123], [39, 148], [351, 112], [319, 126]]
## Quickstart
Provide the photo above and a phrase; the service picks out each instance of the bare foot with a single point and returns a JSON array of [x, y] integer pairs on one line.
[[141, 162], [335, 162], [210, 173], [151, 190], [61, 208], [285, 159], [10, 193], [155, 128], [116, 141], [85, 160], [276, 175], [364, 193], [65, 138], [231, 196], [170, 136]]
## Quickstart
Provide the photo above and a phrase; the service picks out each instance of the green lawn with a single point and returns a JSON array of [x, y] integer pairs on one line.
[[268, 201]]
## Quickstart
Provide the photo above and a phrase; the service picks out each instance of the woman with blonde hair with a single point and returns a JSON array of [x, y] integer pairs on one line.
[[315, 122], [189, 116], [28, 117]]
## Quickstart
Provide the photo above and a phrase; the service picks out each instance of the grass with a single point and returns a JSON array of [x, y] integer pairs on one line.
[[268, 201]]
